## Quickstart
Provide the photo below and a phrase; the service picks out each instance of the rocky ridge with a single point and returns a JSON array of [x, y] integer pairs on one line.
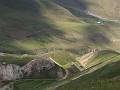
[[33, 70]]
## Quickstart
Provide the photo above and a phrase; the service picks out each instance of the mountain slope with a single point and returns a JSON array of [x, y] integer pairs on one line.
[[50, 22], [62, 30], [106, 8], [106, 74], [103, 74]]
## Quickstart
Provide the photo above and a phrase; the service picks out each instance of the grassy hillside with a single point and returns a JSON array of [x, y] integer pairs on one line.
[[93, 85], [16, 59], [50, 23], [32, 84], [106, 77], [102, 75], [63, 30], [102, 57], [106, 8]]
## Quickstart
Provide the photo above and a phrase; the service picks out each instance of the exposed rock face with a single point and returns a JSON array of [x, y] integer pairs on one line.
[[40, 68], [37, 65], [8, 86], [44, 68], [10, 72]]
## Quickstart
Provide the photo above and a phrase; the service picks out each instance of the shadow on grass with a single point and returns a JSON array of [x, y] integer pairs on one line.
[[42, 33], [78, 8], [21, 5], [22, 20], [96, 35], [80, 4]]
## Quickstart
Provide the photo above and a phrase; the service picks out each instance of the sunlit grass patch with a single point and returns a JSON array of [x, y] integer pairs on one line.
[[16, 59], [63, 58], [28, 44]]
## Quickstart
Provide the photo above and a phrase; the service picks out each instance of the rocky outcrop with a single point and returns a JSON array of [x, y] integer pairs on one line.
[[10, 72], [43, 67], [36, 69], [6, 86], [37, 66]]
